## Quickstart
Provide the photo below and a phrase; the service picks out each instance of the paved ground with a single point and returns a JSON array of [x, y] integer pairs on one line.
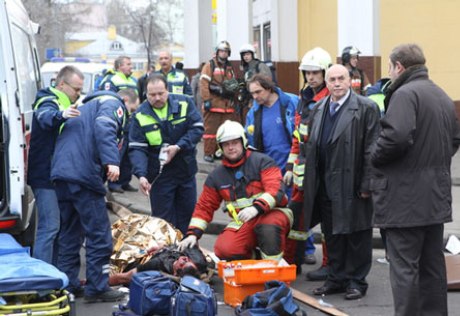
[[378, 300]]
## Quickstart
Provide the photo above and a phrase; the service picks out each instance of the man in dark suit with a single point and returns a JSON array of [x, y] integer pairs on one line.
[[336, 183]]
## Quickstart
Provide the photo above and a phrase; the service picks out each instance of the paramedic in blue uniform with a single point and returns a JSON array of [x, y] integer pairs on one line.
[[87, 153], [171, 119], [115, 80], [177, 80], [52, 107]]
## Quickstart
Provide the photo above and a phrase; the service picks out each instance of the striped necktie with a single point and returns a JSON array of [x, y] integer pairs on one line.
[[333, 107]]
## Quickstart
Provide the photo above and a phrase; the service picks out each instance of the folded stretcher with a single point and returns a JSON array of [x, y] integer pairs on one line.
[[29, 286]]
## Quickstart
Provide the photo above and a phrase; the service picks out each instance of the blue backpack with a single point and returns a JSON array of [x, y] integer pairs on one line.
[[276, 300], [150, 293], [193, 298]]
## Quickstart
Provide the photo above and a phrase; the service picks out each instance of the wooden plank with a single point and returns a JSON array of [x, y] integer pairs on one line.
[[313, 302]]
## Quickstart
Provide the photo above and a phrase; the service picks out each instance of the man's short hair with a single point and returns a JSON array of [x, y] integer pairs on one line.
[[119, 61], [131, 94], [407, 55], [67, 72], [155, 77], [264, 81]]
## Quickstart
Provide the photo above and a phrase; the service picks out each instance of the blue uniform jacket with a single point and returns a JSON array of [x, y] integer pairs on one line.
[[288, 105], [184, 127], [90, 142], [45, 128]]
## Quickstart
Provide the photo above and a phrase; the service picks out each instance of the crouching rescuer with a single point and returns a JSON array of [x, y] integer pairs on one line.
[[250, 184]]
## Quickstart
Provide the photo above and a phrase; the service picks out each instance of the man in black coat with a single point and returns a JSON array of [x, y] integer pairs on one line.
[[412, 190], [336, 183]]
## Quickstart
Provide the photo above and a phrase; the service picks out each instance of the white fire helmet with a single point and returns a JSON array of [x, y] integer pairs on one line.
[[315, 59], [231, 130]]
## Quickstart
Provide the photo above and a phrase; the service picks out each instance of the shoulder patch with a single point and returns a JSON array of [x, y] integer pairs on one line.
[[120, 111], [107, 86]]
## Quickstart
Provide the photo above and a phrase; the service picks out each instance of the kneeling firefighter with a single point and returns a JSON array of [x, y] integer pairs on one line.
[[250, 183]]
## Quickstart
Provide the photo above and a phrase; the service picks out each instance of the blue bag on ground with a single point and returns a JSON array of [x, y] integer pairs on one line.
[[276, 300], [193, 298], [150, 293]]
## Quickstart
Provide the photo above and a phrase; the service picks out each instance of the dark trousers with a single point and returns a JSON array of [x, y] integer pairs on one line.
[[174, 199], [349, 255], [84, 215], [418, 270]]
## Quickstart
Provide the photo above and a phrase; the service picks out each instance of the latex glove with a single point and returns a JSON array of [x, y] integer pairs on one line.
[[144, 186], [113, 172], [287, 179], [187, 242], [248, 213], [172, 150], [70, 112]]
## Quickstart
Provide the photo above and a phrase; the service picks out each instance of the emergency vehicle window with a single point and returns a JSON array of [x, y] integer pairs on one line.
[[24, 60]]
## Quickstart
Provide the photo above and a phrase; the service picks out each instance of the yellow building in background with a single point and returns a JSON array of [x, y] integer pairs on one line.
[[434, 25]]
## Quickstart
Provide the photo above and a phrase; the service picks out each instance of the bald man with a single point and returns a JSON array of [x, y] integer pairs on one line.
[[177, 80], [336, 187]]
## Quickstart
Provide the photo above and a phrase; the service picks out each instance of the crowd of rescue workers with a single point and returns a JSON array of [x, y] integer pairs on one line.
[[343, 153]]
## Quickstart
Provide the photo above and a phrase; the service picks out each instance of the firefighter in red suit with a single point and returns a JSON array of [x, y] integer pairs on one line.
[[313, 66], [250, 184]]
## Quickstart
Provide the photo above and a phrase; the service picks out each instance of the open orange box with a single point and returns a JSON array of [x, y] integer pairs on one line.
[[246, 277]]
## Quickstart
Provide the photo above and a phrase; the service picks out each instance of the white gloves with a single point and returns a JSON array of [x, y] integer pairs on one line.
[[287, 179], [70, 112], [248, 213], [187, 242]]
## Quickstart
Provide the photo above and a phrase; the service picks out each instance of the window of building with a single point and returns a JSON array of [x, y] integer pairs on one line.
[[267, 42], [256, 43]]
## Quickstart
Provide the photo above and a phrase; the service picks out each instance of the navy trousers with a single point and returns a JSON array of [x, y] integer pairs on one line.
[[174, 200], [84, 216]]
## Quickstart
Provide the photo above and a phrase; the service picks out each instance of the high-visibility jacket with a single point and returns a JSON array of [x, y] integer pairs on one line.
[[177, 82], [118, 81], [183, 127], [48, 107], [254, 180], [296, 160]]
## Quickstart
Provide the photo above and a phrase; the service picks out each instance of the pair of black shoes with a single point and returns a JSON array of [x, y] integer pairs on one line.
[[350, 293]]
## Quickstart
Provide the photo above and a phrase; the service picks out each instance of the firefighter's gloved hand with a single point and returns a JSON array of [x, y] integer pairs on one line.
[[70, 112], [248, 213], [287, 179], [187, 242]]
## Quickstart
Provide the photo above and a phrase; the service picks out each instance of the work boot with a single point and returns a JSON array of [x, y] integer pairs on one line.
[[107, 296], [318, 274]]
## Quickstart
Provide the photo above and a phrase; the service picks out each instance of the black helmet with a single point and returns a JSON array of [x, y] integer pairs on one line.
[[347, 52]]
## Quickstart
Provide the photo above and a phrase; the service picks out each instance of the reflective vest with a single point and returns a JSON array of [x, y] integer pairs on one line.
[[151, 126], [176, 81], [119, 81]]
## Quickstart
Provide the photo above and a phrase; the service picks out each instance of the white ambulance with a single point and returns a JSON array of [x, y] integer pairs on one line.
[[92, 71], [19, 81]]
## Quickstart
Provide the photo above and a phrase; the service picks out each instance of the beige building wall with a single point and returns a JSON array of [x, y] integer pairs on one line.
[[317, 20], [435, 26]]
